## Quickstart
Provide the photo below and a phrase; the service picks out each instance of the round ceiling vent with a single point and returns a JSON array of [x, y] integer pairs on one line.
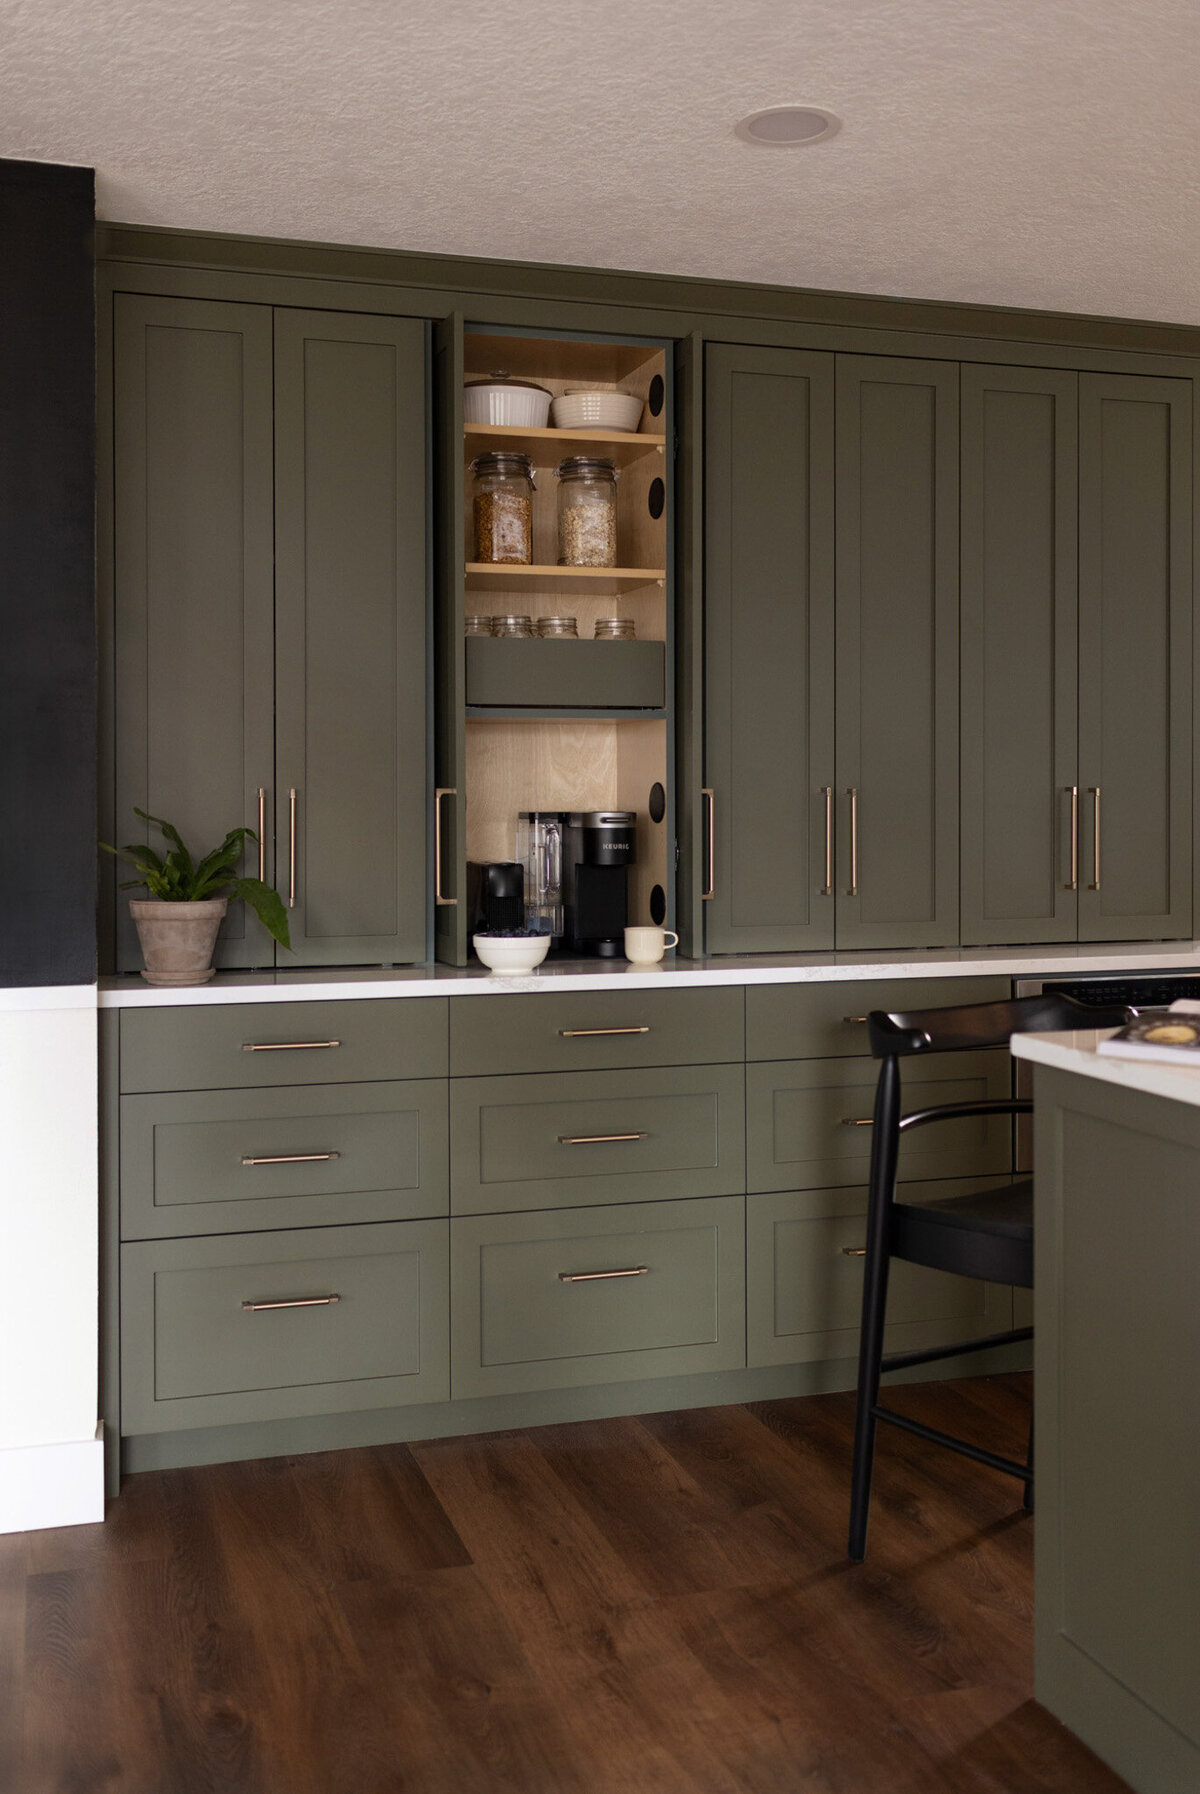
[[788, 127]]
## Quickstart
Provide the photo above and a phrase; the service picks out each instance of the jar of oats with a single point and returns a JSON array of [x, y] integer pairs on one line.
[[587, 512], [503, 508]]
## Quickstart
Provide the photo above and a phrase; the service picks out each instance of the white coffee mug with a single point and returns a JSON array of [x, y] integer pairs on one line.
[[646, 946]]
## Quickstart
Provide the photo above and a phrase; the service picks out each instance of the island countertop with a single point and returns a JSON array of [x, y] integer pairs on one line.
[[1077, 1052]]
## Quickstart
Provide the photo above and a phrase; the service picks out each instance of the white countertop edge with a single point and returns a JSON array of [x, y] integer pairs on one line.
[[355, 983], [17, 997], [1077, 1053]]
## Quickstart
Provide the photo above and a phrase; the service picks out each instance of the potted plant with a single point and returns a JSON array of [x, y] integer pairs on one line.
[[177, 924]]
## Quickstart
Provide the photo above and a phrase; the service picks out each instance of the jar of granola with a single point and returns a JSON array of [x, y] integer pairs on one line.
[[587, 512], [503, 508]]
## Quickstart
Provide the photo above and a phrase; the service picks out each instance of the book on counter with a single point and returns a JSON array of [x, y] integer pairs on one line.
[[1169, 1035]]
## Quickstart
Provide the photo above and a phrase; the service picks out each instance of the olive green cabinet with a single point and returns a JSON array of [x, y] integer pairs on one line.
[[269, 610], [1076, 664], [831, 753]]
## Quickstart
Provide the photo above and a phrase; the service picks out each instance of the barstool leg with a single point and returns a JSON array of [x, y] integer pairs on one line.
[[884, 1144]]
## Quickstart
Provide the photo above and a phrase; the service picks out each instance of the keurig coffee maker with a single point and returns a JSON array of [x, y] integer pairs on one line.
[[598, 849]]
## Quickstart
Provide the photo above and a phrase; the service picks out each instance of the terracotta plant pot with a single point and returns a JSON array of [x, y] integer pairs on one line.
[[177, 938]]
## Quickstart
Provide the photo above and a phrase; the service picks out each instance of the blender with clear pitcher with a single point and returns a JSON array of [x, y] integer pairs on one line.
[[539, 848]]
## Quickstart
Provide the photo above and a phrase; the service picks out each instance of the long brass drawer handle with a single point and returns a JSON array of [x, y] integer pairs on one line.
[[601, 1276], [857, 1121], [596, 1139], [856, 1019], [586, 1033], [286, 1046], [297, 1302], [293, 1158], [854, 1251]]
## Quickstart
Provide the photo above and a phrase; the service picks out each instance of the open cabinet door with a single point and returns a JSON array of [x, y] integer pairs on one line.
[[450, 745], [689, 646]]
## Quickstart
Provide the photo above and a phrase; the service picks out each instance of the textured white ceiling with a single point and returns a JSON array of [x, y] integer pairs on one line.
[[1025, 152]]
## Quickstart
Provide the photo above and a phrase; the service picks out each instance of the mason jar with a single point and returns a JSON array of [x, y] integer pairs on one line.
[[587, 512], [503, 508]]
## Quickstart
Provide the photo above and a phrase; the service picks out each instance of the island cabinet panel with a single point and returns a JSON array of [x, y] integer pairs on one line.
[[595, 1030], [608, 1294], [820, 1021], [804, 1280]]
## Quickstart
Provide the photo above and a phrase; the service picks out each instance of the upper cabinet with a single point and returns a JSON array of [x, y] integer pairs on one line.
[[269, 607]]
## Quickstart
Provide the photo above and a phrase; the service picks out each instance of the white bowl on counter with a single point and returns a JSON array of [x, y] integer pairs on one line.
[[508, 955], [517, 404], [596, 411]]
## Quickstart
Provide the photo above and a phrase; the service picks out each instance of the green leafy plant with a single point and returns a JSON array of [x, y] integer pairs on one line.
[[177, 878]]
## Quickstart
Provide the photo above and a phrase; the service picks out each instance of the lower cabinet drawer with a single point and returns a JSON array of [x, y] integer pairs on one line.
[[804, 1291], [595, 1030], [824, 1019], [574, 1138], [808, 1121], [269, 1326], [233, 1160], [602, 1296]]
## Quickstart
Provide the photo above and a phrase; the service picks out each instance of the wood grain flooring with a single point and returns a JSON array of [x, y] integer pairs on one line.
[[660, 1605]]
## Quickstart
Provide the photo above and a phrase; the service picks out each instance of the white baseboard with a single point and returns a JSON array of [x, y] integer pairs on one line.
[[52, 1485]]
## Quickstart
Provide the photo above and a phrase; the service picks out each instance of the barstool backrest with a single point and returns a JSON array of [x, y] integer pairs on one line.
[[904, 1033]]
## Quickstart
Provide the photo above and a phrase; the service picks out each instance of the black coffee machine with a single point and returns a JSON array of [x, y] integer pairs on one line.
[[598, 849]]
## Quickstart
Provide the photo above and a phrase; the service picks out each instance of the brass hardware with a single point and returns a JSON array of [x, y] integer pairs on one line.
[[262, 832], [292, 848], [601, 1276], [286, 1046], [298, 1302], [827, 794], [596, 1139], [855, 1018], [852, 794], [293, 1158], [1094, 794], [708, 793], [1073, 792], [857, 1121], [585, 1033], [854, 1251], [441, 792]]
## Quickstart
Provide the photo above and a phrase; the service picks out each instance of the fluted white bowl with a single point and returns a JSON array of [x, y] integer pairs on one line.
[[508, 955], [596, 411]]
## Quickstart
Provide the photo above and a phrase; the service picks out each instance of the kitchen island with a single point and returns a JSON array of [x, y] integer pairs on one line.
[[1117, 1314]]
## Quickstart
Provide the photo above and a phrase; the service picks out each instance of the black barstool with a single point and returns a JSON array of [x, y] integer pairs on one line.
[[987, 1234]]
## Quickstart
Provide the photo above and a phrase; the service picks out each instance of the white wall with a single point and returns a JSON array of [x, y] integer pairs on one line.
[[51, 1461]]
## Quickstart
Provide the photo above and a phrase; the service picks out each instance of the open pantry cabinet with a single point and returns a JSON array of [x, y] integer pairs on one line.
[[541, 724]]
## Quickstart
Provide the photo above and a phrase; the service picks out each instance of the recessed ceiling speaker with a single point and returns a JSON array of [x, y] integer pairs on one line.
[[788, 127]]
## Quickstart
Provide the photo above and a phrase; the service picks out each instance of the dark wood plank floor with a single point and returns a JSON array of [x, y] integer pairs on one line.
[[659, 1605]]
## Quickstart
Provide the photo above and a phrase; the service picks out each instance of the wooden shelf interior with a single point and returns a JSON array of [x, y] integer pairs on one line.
[[546, 448]]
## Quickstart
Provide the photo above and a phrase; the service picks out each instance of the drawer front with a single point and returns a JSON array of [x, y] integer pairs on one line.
[[243, 1046], [808, 1120], [193, 1353], [588, 1137], [537, 1306], [820, 1021], [804, 1292], [202, 1161], [595, 1030]]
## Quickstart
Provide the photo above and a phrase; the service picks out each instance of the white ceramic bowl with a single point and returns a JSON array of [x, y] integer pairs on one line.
[[508, 402], [597, 411], [508, 955]]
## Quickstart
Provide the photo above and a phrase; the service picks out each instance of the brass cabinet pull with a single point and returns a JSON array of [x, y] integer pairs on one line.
[[287, 1046], [852, 794], [857, 1121], [441, 792], [709, 795], [855, 1018], [854, 1251], [292, 848], [293, 1158], [1073, 794], [262, 831], [296, 1302], [1094, 794], [596, 1139], [827, 794], [586, 1033], [601, 1276]]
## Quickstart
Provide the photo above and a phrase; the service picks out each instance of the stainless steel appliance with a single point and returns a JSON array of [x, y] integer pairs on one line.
[[598, 849]]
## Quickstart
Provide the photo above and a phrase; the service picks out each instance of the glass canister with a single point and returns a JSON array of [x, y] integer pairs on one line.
[[539, 848], [587, 512], [615, 629], [513, 626], [558, 628], [503, 508], [477, 625]]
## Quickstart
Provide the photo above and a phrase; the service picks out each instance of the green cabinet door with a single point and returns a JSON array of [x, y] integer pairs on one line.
[[450, 730], [769, 647], [350, 484], [1018, 619], [1135, 657], [897, 652], [192, 585]]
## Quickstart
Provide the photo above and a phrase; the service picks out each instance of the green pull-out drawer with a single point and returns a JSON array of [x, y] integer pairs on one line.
[[804, 1281], [235, 1160], [595, 1030], [560, 1301], [221, 1330], [574, 1138], [239, 1046], [819, 1021], [808, 1121]]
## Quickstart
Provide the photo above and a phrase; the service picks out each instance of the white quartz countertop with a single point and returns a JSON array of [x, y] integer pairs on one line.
[[1077, 1053], [129, 991]]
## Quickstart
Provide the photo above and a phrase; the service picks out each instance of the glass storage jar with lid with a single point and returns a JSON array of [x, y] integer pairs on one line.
[[512, 627], [503, 508], [587, 512]]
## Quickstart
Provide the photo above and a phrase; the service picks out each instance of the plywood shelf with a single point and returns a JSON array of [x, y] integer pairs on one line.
[[483, 576], [547, 447]]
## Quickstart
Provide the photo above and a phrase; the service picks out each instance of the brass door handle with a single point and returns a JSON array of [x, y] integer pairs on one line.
[[292, 1158], [827, 794], [709, 796], [438, 897], [296, 1302], [292, 848], [1073, 794], [596, 1139], [1094, 794], [262, 832], [587, 1033], [601, 1276], [852, 794]]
